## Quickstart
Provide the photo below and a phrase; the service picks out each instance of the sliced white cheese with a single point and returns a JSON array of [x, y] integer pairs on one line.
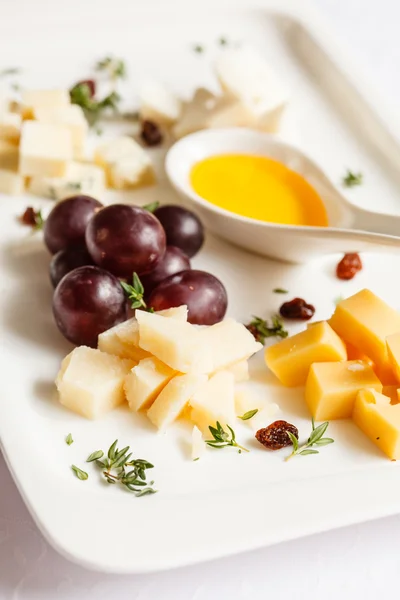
[[198, 445], [158, 103], [110, 343], [91, 382], [9, 155], [11, 182], [214, 401], [80, 178], [240, 370], [145, 382], [45, 149], [32, 100], [72, 117], [10, 126], [195, 113], [173, 399], [125, 163]]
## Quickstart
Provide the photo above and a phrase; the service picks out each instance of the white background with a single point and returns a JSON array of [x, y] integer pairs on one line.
[[357, 562]]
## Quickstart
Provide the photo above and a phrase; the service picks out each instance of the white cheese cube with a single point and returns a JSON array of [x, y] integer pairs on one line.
[[214, 401], [9, 155], [158, 104], [45, 149], [240, 370], [145, 382], [91, 382], [125, 163], [10, 126], [198, 444], [195, 113], [176, 343], [80, 178], [11, 182], [72, 117], [173, 399], [32, 100], [246, 76]]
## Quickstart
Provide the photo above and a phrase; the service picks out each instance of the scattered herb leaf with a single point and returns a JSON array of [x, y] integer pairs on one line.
[[315, 439], [152, 206], [115, 67], [223, 41], [135, 292], [69, 440], [352, 179], [280, 291], [95, 456], [249, 414], [262, 330], [223, 438], [198, 48], [10, 71], [79, 473]]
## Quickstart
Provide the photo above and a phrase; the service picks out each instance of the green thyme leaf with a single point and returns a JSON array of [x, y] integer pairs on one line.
[[293, 439], [317, 433], [352, 179], [10, 71], [135, 292], [304, 452], [280, 291], [324, 442], [79, 473], [112, 450], [249, 414], [115, 67], [261, 329], [223, 438], [223, 41], [69, 440], [95, 456], [198, 48]]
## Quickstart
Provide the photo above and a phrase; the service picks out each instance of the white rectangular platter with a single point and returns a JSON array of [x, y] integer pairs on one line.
[[224, 503]]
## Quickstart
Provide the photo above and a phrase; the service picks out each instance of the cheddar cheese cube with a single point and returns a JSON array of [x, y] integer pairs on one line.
[[291, 358], [32, 100], [364, 320], [214, 401], [11, 183], [332, 387], [145, 382], [45, 149], [379, 420]]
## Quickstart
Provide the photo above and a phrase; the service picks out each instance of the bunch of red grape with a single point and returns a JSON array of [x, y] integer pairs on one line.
[[96, 248]]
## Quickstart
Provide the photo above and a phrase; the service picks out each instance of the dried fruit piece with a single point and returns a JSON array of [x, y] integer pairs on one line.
[[151, 133], [297, 309], [275, 436], [32, 218], [349, 266]]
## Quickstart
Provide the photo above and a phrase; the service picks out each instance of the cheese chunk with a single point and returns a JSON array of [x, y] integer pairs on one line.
[[125, 163], [393, 348], [79, 178], [248, 399], [175, 396], [364, 320], [176, 343], [9, 155], [240, 370], [229, 112], [10, 127], [379, 420], [291, 358], [214, 401], [246, 76], [11, 183], [72, 117], [195, 113], [392, 392], [332, 388], [45, 150], [145, 382], [32, 100], [158, 104], [91, 382], [109, 342]]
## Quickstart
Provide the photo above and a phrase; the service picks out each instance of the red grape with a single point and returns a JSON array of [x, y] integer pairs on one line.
[[182, 228], [125, 239], [204, 295], [86, 302], [173, 261], [66, 224], [67, 260]]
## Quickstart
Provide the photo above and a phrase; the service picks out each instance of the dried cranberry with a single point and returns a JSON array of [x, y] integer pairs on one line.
[[151, 133], [275, 436], [349, 266], [297, 309], [29, 217]]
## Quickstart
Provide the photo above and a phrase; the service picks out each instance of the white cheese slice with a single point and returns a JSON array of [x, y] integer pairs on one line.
[[91, 382], [45, 149], [10, 126], [125, 163], [145, 382], [11, 182], [169, 405], [158, 103], [72, 117], [240, 370], [198, 444], [214, 401], [80, 178], [34, 99], [9, 155]]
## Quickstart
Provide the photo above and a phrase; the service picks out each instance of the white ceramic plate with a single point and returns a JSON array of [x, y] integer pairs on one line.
[[224, 503]]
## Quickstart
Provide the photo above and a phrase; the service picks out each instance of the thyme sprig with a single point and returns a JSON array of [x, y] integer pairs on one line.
[[223, 438], [315, 439], [135, 292], [249, 414], [352, 179], [262, 330], [81, 94]]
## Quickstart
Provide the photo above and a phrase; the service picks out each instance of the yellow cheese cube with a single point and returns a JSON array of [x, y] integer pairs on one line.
[[11, 183], [332, 387], [379, 420], [145, 382], [364, 320], [72, 117], [91, 382], [33, 100], [214, 401], [9, 155], [45, 149], [393, 347], [169, 405], [291, 358], [392, 392], [10, 127]]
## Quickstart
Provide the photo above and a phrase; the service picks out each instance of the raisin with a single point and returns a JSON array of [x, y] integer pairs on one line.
[[297, 309], [151, 133], [349, 266], [275, 437], [29, 217]]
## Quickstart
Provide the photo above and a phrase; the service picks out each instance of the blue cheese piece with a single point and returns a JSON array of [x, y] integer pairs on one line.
[[45, 149], [80, 178], [125, 163]]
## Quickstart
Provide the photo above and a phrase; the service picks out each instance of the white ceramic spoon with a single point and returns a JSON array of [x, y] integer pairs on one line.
[[351, 229]]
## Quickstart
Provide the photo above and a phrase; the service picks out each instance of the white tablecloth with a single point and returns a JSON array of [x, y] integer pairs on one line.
[[362, 561]]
